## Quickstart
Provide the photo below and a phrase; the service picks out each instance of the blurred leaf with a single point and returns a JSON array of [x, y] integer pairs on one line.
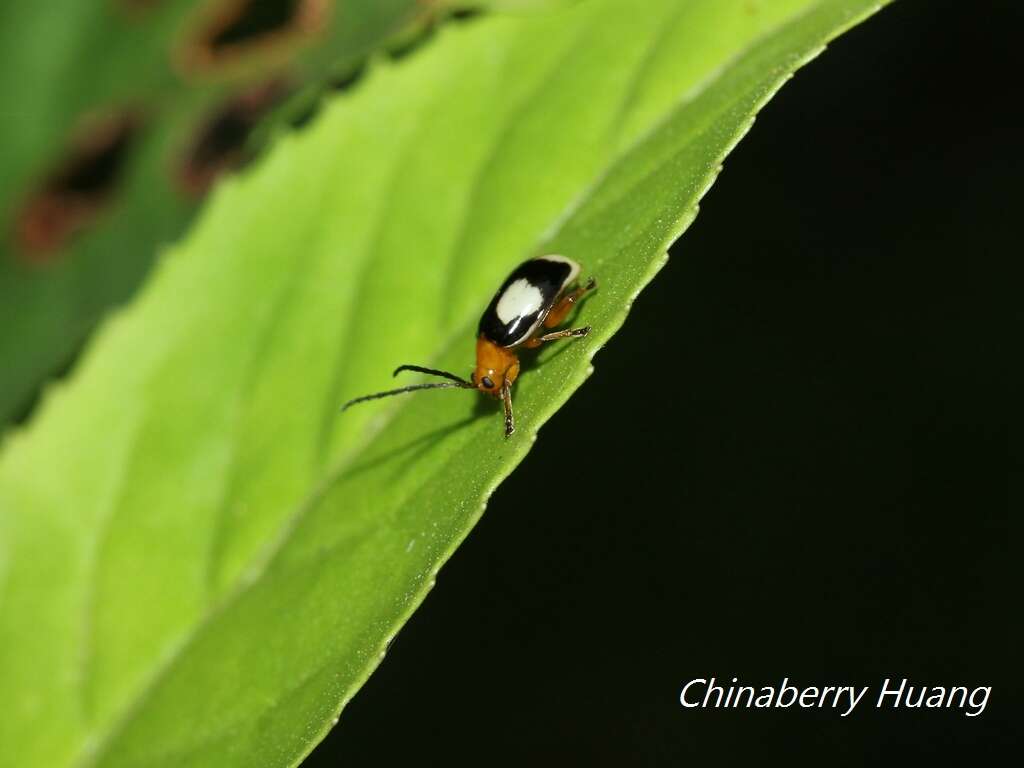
[[67, 63], [202, 560]]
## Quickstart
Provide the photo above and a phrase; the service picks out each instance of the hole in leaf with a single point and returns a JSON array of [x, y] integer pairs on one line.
[[256, 20], [80, 185], [220, 143], [235, 28]]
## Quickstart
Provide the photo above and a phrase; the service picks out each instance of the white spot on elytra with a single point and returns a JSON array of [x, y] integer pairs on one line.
[[519, 299]]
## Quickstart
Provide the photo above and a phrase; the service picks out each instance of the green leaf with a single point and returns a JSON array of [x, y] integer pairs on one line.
[[201, 560]]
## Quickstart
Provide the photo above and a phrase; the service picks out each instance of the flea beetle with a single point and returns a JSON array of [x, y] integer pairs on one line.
[[533, 299]]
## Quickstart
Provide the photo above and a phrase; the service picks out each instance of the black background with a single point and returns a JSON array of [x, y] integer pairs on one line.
[[793, 461]]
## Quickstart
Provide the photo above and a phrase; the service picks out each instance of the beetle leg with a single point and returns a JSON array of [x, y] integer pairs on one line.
[[561, 309], [566, 333], [506, 399]]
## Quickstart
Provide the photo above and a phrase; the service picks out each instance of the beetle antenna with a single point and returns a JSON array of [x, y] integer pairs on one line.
[[434, 372], [411, 388]]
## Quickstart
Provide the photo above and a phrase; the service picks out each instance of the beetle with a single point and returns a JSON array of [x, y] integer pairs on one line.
[[534, 299]]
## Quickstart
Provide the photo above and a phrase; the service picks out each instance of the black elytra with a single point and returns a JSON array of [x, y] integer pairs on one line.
[[525, 298]]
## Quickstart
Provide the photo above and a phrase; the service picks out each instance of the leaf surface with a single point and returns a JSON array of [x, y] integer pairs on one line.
[[201, 560]]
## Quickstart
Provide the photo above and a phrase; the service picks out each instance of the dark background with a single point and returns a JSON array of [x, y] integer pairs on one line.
[[793, 461]]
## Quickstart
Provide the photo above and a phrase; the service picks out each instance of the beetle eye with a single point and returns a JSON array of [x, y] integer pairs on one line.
[[487, 382]]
